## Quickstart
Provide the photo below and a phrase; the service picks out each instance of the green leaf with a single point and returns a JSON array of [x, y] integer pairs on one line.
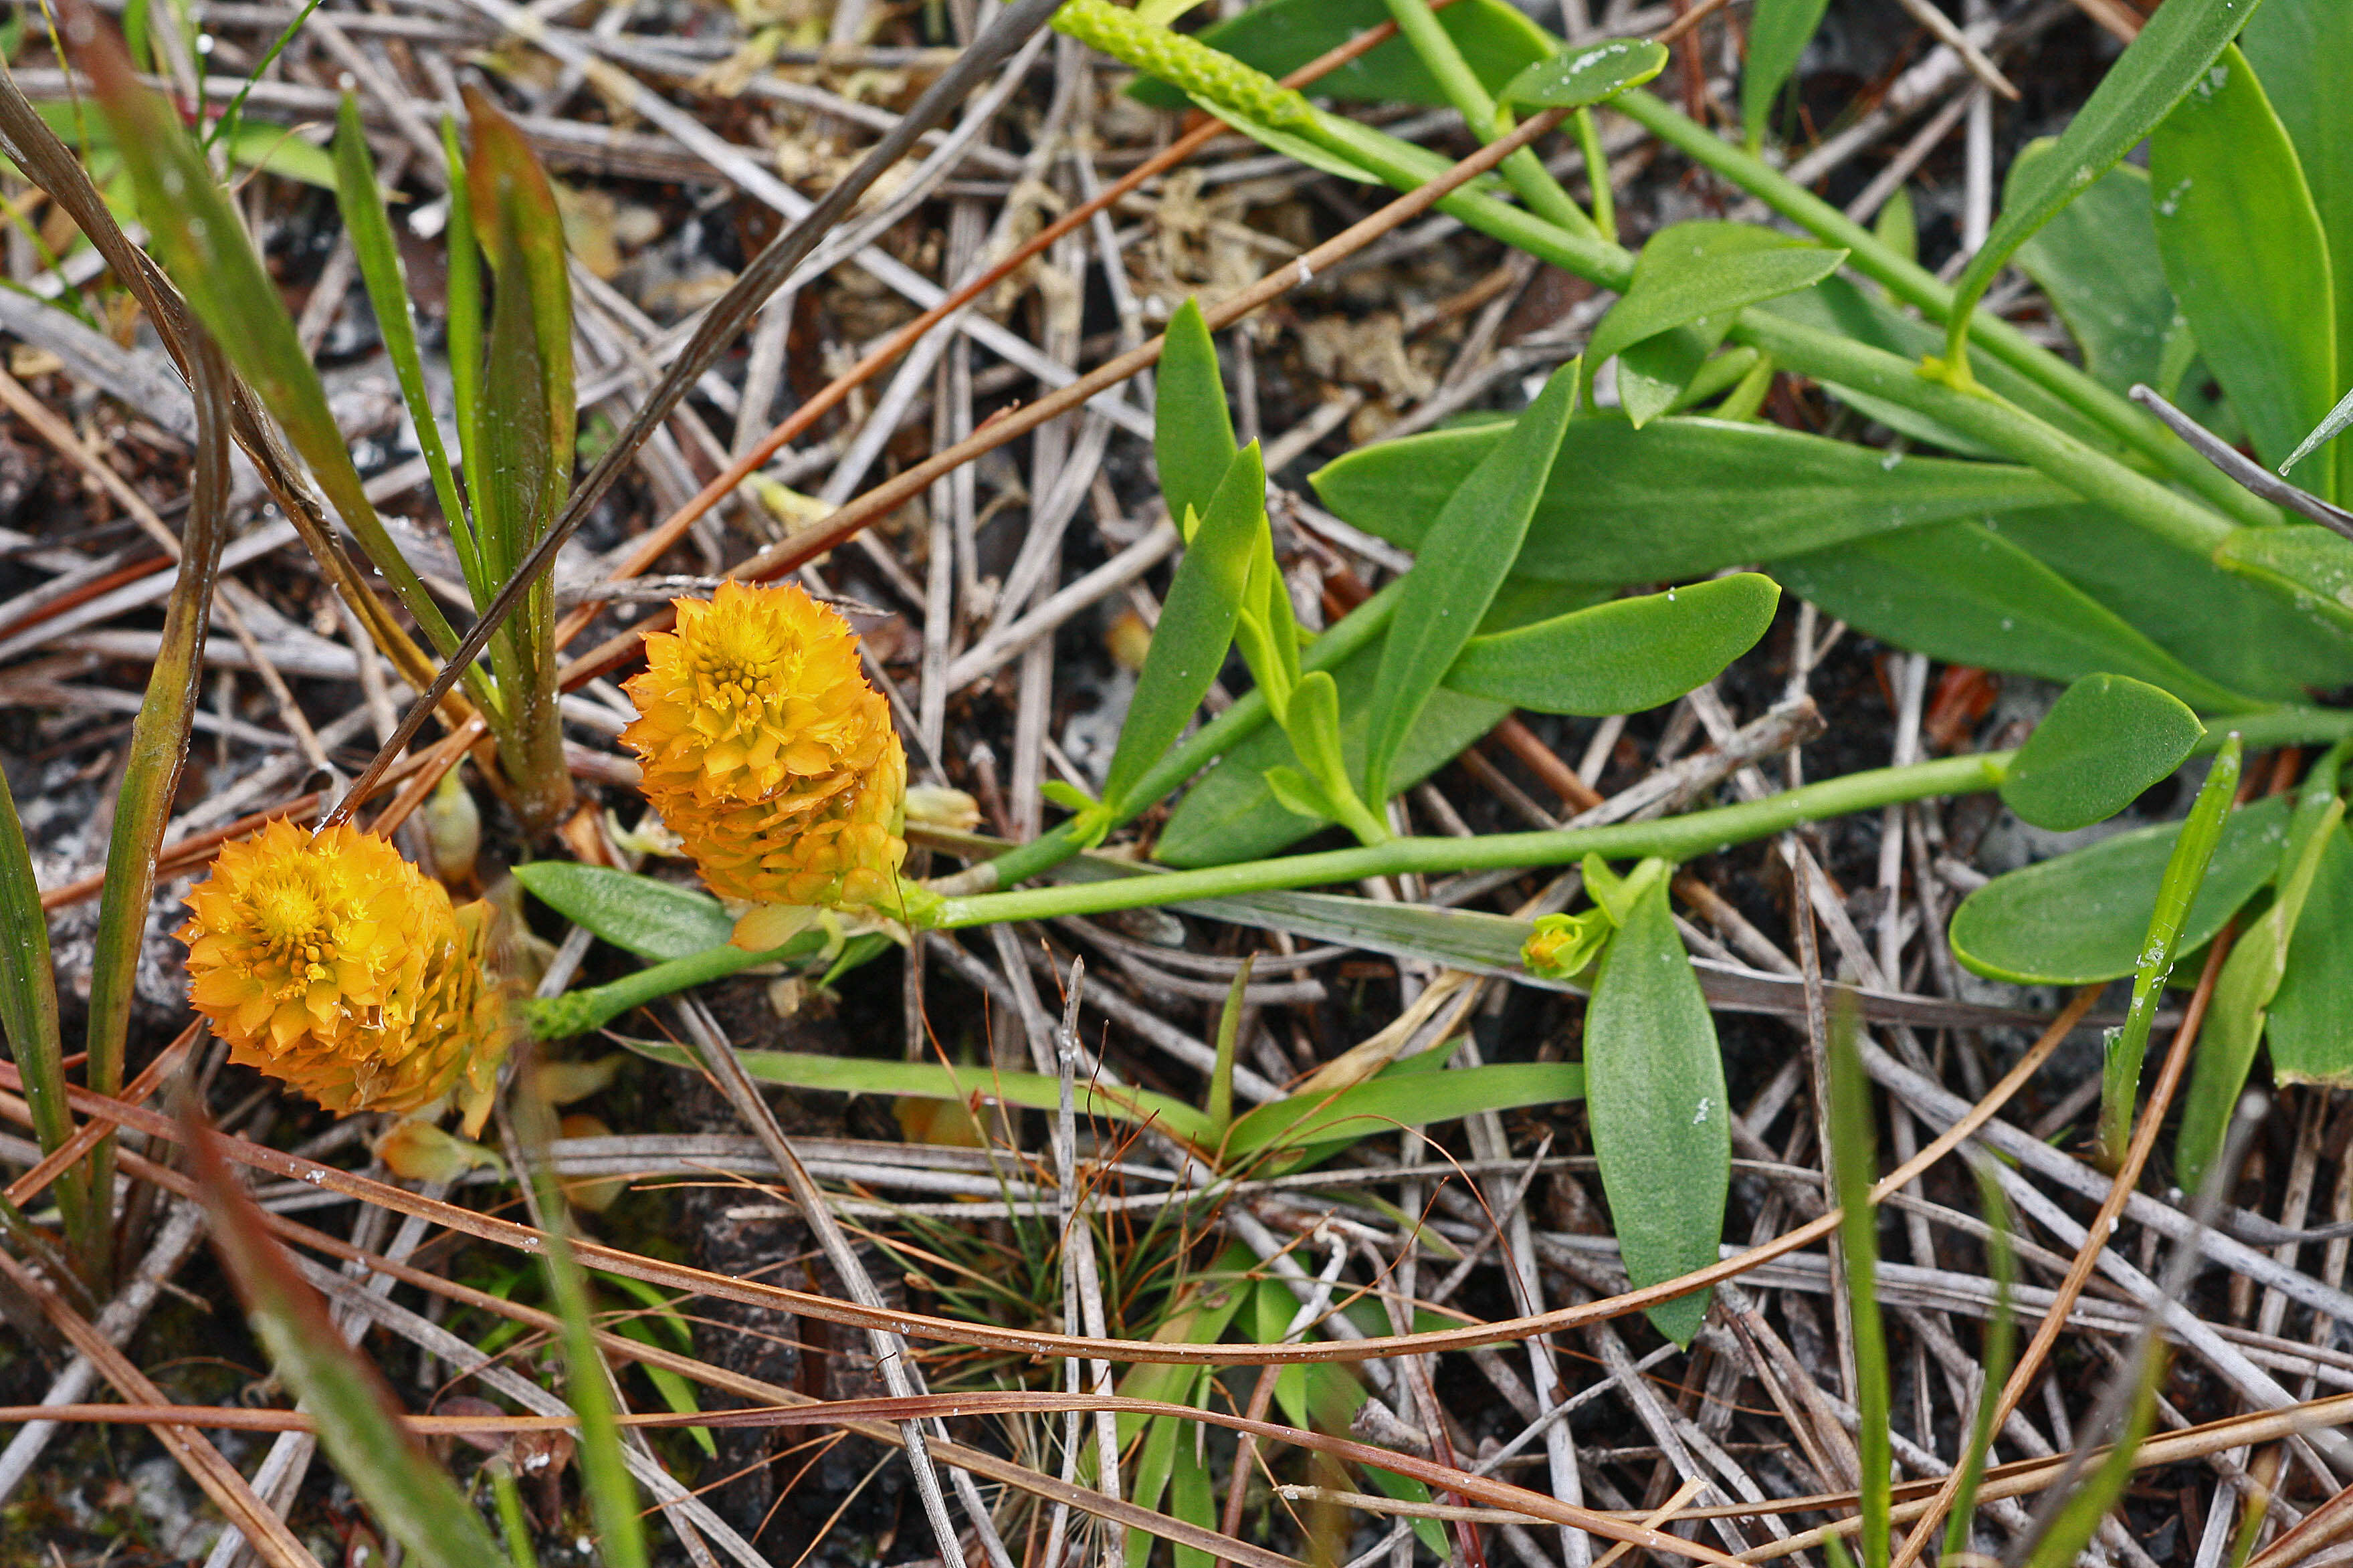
[[2179, 42], [1192, 430], [931, 1080], [1962, 592], [1840, 305], [1231, 814], [2080, 919], [1585, 74], [588, 1381], [201, 241], [1778, 32], [1655, 374], [2245, 254], [28, 1012], [359, 1417], [2310, 1031], [2328, 430], [2249, 979], [1624, 655], [2303, 52], [2313, 564], [1678, 500], [2243, 634], [1854, 1169], [1654, 1091], [1496, 40], [1465, 557], [1414, 1099], [1197, 625], [361, 202], [2097, 262], [651, 918], [1692, 270], [2108, 739], [2177, 890]]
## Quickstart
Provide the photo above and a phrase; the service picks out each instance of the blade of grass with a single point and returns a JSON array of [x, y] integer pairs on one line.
[[1221, 1077], [2184, 873], [2001, 1347], [203, 245], [29, 1011], [1463, 560], [603, 1473], [151, 775], [359, 1419], [526, 424], [1852, 1162], [370, 230]]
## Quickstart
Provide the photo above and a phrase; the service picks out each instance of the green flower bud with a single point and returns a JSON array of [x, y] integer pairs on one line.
[[1186, 63]]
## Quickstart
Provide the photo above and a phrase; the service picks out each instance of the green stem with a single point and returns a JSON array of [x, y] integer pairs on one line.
[[1676, 838], [1673, 838], [1528, 176], [1354, 632], [579, 1012], [1830, 356], [1596, 175], [1912, 283], [2132, 495]]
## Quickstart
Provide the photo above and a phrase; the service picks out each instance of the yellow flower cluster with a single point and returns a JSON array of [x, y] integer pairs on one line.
[[768, 754], [330, 962]]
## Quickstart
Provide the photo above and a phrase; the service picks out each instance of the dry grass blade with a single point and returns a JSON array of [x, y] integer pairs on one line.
[[357, 1416], [524, 1238]]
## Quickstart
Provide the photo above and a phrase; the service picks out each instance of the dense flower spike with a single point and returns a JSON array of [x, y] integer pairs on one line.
[[768, 754], [330, 962]]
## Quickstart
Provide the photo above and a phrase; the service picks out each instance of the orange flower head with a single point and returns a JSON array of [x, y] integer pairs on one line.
[[768, 754], [330, 962]]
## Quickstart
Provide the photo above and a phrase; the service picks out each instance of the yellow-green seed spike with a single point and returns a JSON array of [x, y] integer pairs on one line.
[[1184, 62]]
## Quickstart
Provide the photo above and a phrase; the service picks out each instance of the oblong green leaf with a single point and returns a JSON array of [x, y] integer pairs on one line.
[[2243, 634], [2169, 54], [2081, 918], [2304, 52], [2246, 257], [1655, 373], [2097, 263], [1690, 280], [1678, 498], [1654, 1093], [1624, 655], [2311, 563], [1192, 429], [1197, 625], [2108, 739], [1962, 592], [651, 918], [1587, 74], [1465, 557], [1777, 40], [2310, 1028], [1496, 40]]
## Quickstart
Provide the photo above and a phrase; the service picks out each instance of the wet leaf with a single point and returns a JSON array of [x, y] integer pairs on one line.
[[1654, 1091], [2108, 739], [1624, 655], [2081, 918]]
